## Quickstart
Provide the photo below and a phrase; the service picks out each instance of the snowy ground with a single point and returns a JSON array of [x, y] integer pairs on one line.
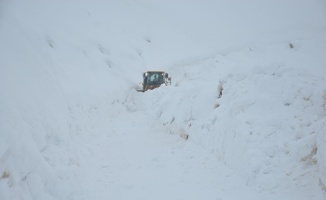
[[244, 117]]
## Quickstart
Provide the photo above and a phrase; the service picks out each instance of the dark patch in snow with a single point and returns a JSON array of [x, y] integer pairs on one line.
[[5, 175], [50, 42], [103, 50]]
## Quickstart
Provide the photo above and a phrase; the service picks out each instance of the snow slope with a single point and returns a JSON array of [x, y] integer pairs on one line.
[[243, 118]]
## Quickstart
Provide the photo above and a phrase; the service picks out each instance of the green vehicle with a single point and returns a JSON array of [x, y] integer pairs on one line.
[[154, 79]]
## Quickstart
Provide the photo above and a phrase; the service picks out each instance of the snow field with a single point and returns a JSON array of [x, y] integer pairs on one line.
[[73, 127]]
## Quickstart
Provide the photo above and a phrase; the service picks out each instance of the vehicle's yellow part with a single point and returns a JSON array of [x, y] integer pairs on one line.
[[151, 87]]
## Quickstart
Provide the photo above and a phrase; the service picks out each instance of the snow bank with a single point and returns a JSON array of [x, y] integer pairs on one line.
[[267, 122], [48, 88]]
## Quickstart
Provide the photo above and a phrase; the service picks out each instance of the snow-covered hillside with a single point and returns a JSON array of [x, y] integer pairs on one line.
[[243, 118]]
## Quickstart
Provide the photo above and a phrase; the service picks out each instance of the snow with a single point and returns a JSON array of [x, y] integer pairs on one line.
[[243, 118]]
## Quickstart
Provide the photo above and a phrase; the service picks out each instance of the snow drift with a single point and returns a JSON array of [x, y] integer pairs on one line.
[[248, 90]]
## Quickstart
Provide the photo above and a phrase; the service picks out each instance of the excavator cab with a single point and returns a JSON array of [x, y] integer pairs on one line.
[[154, 79]]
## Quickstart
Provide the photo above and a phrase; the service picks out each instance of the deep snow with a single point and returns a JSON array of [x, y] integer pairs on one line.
[[243, 118]]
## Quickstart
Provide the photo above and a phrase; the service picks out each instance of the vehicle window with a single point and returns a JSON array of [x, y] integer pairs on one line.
[[155, 78]]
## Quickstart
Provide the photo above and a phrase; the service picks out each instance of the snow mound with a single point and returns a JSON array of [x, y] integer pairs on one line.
[[262, 117]]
